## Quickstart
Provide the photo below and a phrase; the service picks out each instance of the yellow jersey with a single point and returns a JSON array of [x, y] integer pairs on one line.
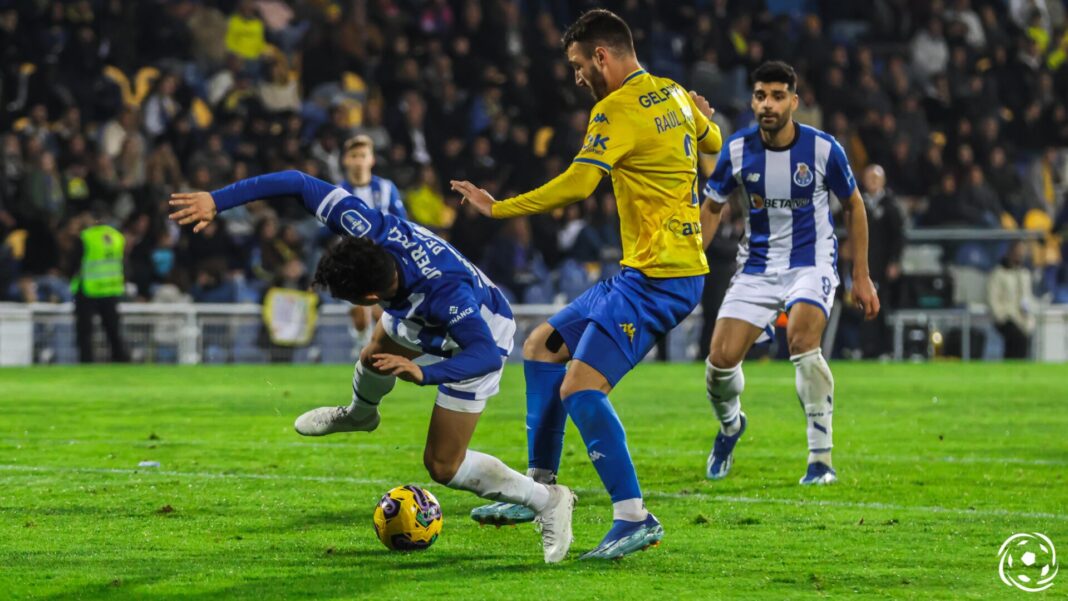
[[646, 135]]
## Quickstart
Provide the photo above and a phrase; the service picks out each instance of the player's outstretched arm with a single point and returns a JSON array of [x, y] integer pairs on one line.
[[856, 218], [575, 184], [202, 207]]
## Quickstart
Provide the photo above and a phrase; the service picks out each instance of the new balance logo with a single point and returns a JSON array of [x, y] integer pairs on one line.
[[595, 455], [753, 178], [628, 329]]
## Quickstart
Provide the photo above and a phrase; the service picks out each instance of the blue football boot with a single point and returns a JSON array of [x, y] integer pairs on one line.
[[722, 456], [819, 473]]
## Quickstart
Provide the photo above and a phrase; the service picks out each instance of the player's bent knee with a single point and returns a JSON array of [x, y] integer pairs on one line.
[[802, 344], [583, 377], [441, 470], [544, 344]]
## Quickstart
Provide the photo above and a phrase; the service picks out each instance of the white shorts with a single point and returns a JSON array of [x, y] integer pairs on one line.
[[757, 298], [466, 396]]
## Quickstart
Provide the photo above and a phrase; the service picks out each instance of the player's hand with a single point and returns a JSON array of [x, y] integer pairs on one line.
[[193, 207], [866, 297], [474, 195], [702, 104], [395, 365]]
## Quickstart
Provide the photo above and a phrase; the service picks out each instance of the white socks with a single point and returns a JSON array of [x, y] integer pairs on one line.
[[815, 388], [489, 478], [631, 510], [724, 388], [542, 475], [368, 388]]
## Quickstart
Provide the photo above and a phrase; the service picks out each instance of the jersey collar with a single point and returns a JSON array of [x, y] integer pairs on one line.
[[797, 136], [632, 76]]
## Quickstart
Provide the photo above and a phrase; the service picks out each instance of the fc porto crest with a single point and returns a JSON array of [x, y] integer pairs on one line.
[[803, 175]]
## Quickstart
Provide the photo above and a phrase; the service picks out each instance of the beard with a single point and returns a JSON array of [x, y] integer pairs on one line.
[[598, 86], [776, 125]]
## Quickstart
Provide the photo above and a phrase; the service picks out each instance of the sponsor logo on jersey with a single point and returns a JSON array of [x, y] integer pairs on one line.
[[461, 315], [596, 143], [683, 228], [355, 224], [760, 203], [803, 175]]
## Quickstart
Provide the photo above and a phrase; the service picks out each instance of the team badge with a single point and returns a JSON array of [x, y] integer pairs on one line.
[[757, 201], [803, 175]]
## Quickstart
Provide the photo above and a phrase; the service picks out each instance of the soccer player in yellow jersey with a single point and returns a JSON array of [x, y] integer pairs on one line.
[[644, 132]]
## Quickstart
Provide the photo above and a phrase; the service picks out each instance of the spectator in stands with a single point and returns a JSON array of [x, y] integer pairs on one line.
[[929, 50], [886, 243], [1012, 302], [512, 261], [245, 36]]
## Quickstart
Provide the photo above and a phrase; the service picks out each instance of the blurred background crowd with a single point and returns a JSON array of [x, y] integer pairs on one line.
[[952, 113]]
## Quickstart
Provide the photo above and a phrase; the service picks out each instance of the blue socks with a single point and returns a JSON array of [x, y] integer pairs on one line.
[[546, 416], [606, 443]]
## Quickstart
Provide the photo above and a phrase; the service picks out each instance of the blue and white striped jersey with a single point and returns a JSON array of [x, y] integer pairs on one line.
[[787, 189], [443, 301], [380, 193]]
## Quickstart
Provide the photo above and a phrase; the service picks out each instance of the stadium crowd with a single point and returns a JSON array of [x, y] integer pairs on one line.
[[952, 114]]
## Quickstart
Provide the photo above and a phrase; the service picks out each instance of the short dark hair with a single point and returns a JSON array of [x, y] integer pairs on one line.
[[776, 72], [600, 27], [354, 268]]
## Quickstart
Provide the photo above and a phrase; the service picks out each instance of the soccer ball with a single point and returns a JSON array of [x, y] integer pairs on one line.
[[408, 518]]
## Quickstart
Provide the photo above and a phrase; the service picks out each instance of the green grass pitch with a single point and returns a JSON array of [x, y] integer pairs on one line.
[[938, 464]]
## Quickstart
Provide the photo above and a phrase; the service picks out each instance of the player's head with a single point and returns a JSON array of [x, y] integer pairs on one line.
[[358, 158], [774, 95], [358, 271], [598, 43]]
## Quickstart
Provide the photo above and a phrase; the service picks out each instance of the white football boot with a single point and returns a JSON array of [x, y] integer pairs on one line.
[[555, 522], [328, 420]]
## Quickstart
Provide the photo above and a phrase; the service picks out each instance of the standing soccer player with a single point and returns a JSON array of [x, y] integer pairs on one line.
[[437, 303], [357, 160], [788, 261], [644, 132]]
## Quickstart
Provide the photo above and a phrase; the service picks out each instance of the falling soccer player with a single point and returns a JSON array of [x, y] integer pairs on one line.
[[435, 302]]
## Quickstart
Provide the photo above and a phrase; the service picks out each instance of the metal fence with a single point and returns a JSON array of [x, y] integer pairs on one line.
[[227, 333], [233, 333]]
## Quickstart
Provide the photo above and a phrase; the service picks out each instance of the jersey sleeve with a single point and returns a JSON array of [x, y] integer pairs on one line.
[[342, 212], [721, 183], [709, 138], [479, 355], [396, 207], [609, 137], [839, 176]]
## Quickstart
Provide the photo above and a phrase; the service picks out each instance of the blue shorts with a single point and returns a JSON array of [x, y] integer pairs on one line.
[[613, 325]]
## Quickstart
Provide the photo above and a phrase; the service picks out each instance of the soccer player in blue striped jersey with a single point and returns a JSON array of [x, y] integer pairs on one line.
[[435, 302], [784, 173]]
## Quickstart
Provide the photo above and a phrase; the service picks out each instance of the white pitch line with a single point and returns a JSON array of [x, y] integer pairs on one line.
[[639, 453], [654, 494]]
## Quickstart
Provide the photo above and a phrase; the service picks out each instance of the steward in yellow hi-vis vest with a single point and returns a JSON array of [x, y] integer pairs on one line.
[[98, 286], [645, 133]]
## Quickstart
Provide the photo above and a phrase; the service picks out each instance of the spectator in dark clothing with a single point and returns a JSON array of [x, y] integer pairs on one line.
[[979, 201], [512, 262], [721, 255], [886, 242]]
